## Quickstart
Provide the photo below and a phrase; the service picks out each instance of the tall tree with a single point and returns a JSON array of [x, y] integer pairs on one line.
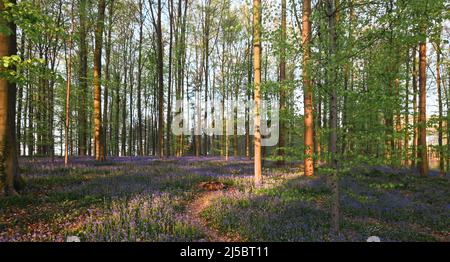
[[415, 114], [69, 47], [332, 13], [308, 94], [107, 85], [8, 92], [139, 83], [160, 68], [422, 143], [257, 88], [437, 47], [98, 130], [83, 78], [281, 138]]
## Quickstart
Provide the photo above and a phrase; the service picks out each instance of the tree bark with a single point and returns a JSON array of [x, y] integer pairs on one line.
[[68, 87], [415, 114], [257, 87], [8, 91], [83, 122], [98, 130], [422, 145], [281, 138], [308, 93], [106, 120], [441, 116]]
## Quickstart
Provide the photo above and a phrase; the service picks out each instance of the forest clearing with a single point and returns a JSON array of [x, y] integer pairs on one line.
[[224, 121]]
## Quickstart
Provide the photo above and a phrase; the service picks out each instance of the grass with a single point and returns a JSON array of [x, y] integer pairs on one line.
[[145, 199]]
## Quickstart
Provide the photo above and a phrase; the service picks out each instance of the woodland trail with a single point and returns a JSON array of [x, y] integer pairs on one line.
[[194, 210]]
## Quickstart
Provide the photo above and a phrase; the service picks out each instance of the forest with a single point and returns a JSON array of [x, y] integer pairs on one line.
[[224, 120]]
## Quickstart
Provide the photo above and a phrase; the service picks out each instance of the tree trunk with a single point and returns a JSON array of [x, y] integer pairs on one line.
[[99, 147], [422, 145], [257, 87], [415, 114], [333, 124], [68, 87], [106, 120], [140, 150], [82, 144], [281, 138], [439, 91], [8, 148], [308, 93]]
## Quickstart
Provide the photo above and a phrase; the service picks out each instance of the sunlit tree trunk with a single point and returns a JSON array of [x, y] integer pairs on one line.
[[99, 147], [8, 147], [422, 145], [308, 94], [257, 87]]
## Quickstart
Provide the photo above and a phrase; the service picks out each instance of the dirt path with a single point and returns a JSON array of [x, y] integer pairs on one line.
[[194, 210]]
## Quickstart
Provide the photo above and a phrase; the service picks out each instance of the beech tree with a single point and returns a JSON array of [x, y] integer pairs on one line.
[[257, 88], [308, 96]]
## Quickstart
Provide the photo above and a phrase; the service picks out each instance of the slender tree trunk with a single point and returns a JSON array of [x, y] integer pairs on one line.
[[68, 87], [415, 114], [257, 87], [206, 51], [130, 99], [139, 87], [82, 148], [20, 98], [123, 136], [106, 120], [332, 20], [407, 125], [170, 81], [247, 109], [422, 145], [282, 138], [439, 91], [160, 63], [308, 94]]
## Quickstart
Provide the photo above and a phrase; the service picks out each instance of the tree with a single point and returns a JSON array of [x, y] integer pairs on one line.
[[68, 88], [160, 68], [422, 143], [332, 13], [83, 78], [281, 138], [139, 84], [98, 130], [257, 88], [106, 119], [308, 94], [8, 91], [437, 48]]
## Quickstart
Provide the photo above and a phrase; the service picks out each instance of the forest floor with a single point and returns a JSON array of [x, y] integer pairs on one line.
[[147, 199]]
